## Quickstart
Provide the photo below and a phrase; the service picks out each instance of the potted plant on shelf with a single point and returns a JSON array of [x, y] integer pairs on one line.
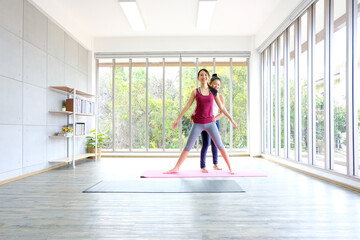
[[91, 143], [67, 131]]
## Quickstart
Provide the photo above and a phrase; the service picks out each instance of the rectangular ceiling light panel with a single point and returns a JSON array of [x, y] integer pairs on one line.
[[132, 14], [205, 13]]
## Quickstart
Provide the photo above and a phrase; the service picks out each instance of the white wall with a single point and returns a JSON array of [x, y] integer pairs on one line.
[[35, 53], [282, 12], [66, 21], [151, 44]]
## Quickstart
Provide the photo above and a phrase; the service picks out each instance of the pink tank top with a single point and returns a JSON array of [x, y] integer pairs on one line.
[[204, 108]]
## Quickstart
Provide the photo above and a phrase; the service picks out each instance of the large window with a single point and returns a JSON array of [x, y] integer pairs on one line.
[[317, 47], [139, 99]]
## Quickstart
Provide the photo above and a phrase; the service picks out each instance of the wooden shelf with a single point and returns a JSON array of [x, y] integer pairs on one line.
[[69, 159], [59, 136], [71, 90], [70, 113]]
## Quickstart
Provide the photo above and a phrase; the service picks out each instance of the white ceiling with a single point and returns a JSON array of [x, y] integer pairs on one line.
[[104, 18]]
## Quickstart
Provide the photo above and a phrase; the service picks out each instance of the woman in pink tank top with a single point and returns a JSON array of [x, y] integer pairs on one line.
[[203, 119]]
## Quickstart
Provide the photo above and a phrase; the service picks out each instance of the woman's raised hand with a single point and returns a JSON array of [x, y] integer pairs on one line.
[[235, 125], [174, 125]]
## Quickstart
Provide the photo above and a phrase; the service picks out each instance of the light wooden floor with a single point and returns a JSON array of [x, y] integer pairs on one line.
[[284, 205]]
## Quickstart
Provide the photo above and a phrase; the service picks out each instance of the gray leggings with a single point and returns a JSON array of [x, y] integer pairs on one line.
[[210, 128]]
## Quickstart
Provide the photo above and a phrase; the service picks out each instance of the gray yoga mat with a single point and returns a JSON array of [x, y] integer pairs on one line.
[[166, 186]]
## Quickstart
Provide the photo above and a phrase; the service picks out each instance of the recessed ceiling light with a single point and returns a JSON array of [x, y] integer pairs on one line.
[[132, 14], [205, 13]]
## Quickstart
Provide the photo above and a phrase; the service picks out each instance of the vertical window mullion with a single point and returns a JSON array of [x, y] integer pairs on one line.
[[329, 127], [271, 126], [163, 96], [297, 127], [268, 108], [286, 94], [130, 103], [113, 104], [180, 101], [355, 85], [231, 104], [197, 85], [147, 104], [351, 68], [277, 97], [262, 105]]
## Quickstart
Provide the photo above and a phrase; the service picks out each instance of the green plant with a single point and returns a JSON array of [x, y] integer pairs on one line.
[[91, 140]]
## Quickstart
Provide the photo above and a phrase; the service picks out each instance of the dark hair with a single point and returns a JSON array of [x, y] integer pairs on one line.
[[207, 72], [214, 77]]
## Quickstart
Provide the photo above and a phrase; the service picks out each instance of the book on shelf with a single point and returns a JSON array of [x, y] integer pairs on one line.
[[81, 106], [79, 128]]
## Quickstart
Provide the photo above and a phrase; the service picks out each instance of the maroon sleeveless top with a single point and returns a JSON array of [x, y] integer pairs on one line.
[[204, 108]]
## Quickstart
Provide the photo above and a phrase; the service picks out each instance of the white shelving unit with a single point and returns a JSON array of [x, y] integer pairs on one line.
[[74, 94]]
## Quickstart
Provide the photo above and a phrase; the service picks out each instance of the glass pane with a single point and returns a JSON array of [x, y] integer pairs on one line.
[[273, 95], [223, 71], [281, 82], [122, 116], [319, 84], [155, 88], [138, 104], [189, 80], [105, 103], [172, 100], [239, 88], [266, 99], [291, 73], [339, 85], [303, 81]]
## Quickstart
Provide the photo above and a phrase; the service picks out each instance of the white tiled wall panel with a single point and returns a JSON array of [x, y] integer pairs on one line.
[[55, 101], [56, 38], [56, 147], [71, 75], [35, 138], [10, 147], [34, 105], [35, 61], [11, 12], [10, 55], [83, 60], [71, 51], [10, 101], [56, 72], [35, 26]]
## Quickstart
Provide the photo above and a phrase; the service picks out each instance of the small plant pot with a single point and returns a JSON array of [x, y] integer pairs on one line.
[[92, 150], [67, 134]]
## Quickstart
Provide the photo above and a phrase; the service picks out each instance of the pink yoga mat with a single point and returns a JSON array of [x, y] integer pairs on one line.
[[198, 173]]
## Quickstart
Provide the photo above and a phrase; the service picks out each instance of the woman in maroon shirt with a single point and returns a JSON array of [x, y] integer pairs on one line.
[[203, 119]]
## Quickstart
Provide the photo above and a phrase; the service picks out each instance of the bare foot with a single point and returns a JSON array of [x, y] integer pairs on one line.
[[203, 170], [232, 172], [171, 171], [216, 167]]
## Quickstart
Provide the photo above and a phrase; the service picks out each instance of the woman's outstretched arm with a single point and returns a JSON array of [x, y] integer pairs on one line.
[[184, 110], [223, 109]]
